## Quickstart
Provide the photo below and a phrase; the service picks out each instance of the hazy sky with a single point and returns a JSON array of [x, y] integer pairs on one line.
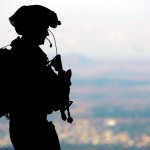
[[99, 29]]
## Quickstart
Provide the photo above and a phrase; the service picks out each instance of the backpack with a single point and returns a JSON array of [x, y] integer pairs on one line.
[[5, 61]]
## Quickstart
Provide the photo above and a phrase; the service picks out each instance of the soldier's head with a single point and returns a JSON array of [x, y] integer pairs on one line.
[[33, 22]]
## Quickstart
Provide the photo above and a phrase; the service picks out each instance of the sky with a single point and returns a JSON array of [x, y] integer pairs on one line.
[[98, 29]]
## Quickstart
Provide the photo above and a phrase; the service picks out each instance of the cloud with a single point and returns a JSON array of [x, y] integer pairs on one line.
[[70, 42], [117, 36]]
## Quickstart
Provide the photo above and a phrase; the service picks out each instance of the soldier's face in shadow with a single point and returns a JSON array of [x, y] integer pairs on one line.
[[37, 34], [40, 35]]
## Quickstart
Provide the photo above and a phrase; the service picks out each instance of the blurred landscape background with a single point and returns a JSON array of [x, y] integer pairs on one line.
[[106, 44], [111, 108]]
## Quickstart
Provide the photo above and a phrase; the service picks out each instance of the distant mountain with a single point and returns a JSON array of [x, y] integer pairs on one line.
[[77, 59], [84, 67], [110, 109]]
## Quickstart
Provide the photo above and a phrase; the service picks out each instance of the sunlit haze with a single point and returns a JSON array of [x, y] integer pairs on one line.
[[106, 44], [117, 29]]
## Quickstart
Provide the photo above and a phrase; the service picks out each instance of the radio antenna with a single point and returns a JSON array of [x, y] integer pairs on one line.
[[54, 40]]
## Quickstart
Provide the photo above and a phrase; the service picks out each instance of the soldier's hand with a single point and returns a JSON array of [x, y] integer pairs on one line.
[[56, 63]]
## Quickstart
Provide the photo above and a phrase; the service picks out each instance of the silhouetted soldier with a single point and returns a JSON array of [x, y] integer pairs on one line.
[[31, 82]]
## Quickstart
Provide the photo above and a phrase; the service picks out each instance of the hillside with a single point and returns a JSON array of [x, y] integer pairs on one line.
[[111, 106]]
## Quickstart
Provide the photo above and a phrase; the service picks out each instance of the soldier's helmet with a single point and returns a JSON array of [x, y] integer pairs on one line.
[[32, 16]]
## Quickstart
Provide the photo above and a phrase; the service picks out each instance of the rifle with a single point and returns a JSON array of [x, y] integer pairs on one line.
[[65, 76]]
